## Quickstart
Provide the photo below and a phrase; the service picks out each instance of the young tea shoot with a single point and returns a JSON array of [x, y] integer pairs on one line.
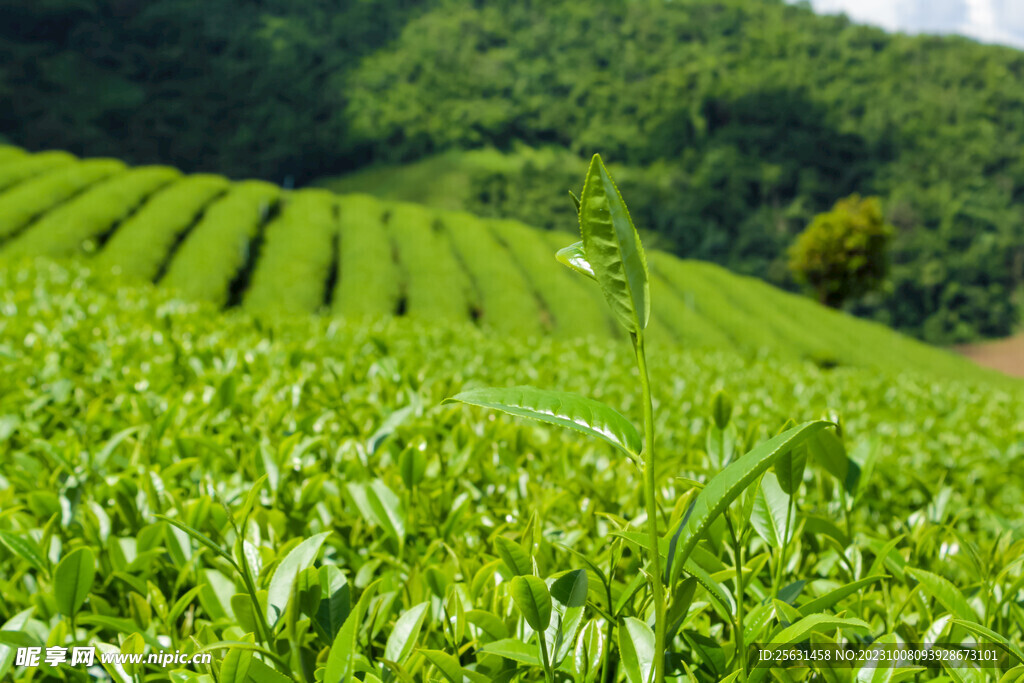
[[611, 254]]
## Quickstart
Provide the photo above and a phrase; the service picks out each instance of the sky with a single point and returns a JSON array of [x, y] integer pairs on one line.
[[993, 21]]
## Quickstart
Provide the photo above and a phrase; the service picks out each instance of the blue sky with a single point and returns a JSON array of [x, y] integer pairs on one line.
[[993, 21]]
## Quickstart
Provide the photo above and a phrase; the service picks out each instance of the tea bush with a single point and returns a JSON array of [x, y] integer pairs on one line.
[[123, 404], [211, 239]]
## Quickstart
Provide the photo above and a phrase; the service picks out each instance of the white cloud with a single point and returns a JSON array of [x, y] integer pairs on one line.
[[995, 21], [884, 13]]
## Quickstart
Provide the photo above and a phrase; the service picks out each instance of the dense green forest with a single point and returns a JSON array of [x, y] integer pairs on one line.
[[732, 122]]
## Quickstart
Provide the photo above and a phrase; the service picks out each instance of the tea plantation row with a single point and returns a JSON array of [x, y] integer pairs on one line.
[[293, 498], [273, 251]]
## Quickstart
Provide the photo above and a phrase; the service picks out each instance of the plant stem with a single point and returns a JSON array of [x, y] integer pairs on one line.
[[740, 644], [549, 675], [651, 503], [250, 588], [782, 550]]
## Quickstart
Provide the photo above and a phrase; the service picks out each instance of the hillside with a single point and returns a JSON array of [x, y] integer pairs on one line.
[[252, 244], [738, 119]]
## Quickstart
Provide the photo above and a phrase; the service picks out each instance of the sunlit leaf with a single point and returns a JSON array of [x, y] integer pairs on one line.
[[560, 408]]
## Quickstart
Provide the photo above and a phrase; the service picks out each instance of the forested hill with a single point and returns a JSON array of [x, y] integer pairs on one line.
[[734, 121]]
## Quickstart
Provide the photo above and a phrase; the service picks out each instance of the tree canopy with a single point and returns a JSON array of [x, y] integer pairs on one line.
[[739, 120]]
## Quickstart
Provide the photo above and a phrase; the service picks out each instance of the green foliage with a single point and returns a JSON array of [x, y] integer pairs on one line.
[[14, 168], [85, 220], [370, 282], [612, 248], [612, 255], [244, 89], [140, 245], [842, 254], [27, 200], [563, 409], [711, 108], [720, 124], [211, 256], [227, 242], [436, 287], [507, 303], [205, 463], [297, 256]]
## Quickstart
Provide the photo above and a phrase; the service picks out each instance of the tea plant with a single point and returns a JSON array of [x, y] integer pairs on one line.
[[294, 499], [612, 255], [216, 240]]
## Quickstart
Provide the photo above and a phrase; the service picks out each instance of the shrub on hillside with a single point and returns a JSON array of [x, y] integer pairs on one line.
[[842, 253]]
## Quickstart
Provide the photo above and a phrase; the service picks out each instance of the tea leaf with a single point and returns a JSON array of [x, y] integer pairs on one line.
[[569, 593], [768, 517], [403, 636], [516, 650], [26, 549], [575, 258], [589, 651], [948, 595], [73, 580], [636, 647], [817, 623], [533, 600], [513, 556], [985, 632], [379, 504], [613, 249], [831, 598], [283, 581], [14, 625], [789, 469], [560, 408], [728, 484]]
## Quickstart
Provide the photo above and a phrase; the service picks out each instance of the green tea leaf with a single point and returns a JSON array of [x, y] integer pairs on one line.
[[14, 624], [832, 597], [341, 661], [513, 649], [589, 651], [560, 408], [407, 630], [827, 448], [943, 590], [446, 664], [73, 580], [569, 594], [379, 504], [235, 667], [575, 258], [789, 469], [282, 583], [261, 673], [987, 633], [768, 517], [817, 623], [26, 549], [721, 409], [132, 645], [199, 536], [728, 484], [636, 648], [335, 602], [613, 249], [533, 600], [513, 556]]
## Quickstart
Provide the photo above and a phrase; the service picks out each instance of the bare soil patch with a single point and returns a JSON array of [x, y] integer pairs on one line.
[[1004, 355]]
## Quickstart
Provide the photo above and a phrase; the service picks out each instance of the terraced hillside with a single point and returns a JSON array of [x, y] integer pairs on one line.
[[271, 251]]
